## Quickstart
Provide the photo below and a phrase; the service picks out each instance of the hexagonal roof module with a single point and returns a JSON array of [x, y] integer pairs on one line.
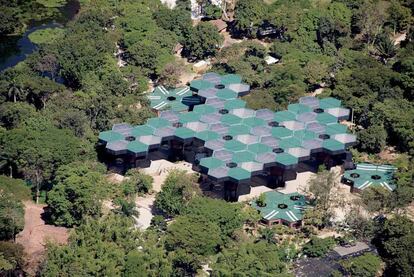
[[279, 206], [163, 99], [371, 175], [240, 141]]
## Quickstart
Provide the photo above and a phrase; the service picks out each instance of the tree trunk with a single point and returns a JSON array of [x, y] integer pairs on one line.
[[11, 171], [37, 187]]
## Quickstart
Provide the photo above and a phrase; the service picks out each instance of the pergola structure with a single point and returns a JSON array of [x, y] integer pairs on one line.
[[367, 175], [282, 208], [230, 144]]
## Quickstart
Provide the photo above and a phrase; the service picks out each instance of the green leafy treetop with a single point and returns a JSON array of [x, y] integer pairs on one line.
[[78, 192], [178, 189], [366, 265]]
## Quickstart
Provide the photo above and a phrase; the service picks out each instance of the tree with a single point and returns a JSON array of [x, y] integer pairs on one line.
[[178, 189], [11, 216], [109, 246], [322, 193], [11, 258], [385, 48], [38, 149], [138, 181], [13, 114], [126, 207], [229, 217], [77, 193], [366, 265], [318, 247], [376, 199], [373, 139], [248, 14], [268, 235], [250, 259], [149, 56], [16, 187], [202, 42], [399, 16], [170, 75], [192, 239], [261, 200], [395, 242]]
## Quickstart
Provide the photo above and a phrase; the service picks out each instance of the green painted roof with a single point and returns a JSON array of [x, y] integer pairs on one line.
[[259, 148], [207, 135], [234, 104], [142, 130], [370, 175], [211, 162], [284, 116], [234, 145], [239, 174], [286, 159], [157, 123], [189, 117], [226, 94], [204, 109], [299, 108], [231, 79], [254, 121], [163, 99], [137, 147], [109, 136], [329, 102], [198, 85], [288, 207], [184, 133]]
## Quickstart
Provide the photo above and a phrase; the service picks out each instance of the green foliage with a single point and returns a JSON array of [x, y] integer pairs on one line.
[[11, 216], [178, 189], [366, 265], [395, 243], [107, 247], [52, 3], [202, 42], [229, 217], [12, 114], [376, 199], [126, 207], [11, 256], [318, 247], [321, 193], [260, 99], [261, 200], [372, 139], [37, 149], [46, 36], [16, 187], [140, 182], [250, 259], [192, 239], [78, 193], [248, 15]]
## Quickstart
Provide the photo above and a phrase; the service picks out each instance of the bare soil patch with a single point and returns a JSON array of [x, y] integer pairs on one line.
[[36, 234]]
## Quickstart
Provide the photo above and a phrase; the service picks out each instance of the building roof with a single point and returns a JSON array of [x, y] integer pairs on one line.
[[370, 175], [247, 141], [219, 24], [288, 207], [178, 99]]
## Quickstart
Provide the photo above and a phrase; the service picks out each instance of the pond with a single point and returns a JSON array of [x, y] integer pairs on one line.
[[15, 49]]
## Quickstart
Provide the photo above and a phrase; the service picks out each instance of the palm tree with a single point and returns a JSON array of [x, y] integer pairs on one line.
[[385, 48]]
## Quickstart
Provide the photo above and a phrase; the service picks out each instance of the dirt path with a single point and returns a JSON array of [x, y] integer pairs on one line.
[[35, 235]]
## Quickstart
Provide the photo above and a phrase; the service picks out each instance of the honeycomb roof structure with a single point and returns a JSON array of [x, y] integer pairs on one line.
[[288, 207], [242, 142], [370, 175]]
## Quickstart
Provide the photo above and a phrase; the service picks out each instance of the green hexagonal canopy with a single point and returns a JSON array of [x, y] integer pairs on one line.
[[109, 136], [211, 162]]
